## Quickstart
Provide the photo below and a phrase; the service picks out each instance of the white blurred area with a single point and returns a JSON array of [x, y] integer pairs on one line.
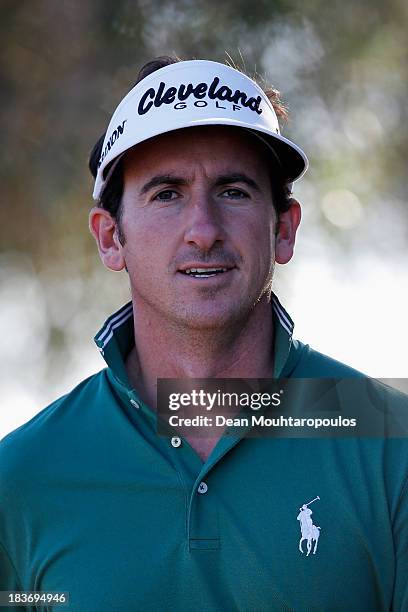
[[47, 324], [358, 317]]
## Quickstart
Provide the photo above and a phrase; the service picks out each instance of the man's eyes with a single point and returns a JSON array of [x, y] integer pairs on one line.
[[166, 195], [232, 193]]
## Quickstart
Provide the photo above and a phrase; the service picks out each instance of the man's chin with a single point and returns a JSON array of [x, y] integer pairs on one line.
[[211, 318]]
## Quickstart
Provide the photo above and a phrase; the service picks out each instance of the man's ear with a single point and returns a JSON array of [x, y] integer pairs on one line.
[[288, 224], [104, 229]]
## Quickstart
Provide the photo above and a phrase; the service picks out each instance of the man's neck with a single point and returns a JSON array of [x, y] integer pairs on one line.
[[163, 350]]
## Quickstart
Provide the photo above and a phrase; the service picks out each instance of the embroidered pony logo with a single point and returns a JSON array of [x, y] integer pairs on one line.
[[310, 532]]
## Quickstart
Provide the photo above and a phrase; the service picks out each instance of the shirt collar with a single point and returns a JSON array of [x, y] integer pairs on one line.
[[283, 336], [116, 338]]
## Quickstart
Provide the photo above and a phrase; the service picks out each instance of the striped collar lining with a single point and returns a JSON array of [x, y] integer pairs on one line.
[[283, 317], [121, 316], [117, 319]]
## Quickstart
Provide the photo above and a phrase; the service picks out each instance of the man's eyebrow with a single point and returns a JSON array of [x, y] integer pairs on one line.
[[162, 179], [236, 177]]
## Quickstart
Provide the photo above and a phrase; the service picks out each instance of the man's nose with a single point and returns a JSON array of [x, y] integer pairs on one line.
[[203, 227]]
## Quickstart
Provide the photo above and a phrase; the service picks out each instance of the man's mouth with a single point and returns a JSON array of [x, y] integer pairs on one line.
[[203, 272]]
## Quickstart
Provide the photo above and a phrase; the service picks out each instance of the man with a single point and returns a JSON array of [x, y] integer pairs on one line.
[[193, 189]]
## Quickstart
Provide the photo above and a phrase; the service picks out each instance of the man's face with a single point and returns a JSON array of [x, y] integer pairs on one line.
[[199, 199]]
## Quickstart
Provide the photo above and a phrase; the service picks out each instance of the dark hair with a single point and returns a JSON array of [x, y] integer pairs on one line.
[[111, 196]]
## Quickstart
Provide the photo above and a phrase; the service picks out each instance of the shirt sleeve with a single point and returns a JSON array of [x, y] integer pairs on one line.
[[400, 598], [9, 580], [8, 576]]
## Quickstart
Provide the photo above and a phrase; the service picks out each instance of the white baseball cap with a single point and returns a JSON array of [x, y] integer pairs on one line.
[[194, 93]]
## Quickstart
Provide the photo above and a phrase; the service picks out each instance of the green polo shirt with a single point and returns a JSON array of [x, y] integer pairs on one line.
[[94, 502]]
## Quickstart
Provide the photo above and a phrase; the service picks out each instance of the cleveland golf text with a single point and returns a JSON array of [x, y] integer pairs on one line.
[[182, 92]]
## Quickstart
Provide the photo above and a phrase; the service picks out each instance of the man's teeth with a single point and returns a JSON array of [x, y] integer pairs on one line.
[[204, 272]]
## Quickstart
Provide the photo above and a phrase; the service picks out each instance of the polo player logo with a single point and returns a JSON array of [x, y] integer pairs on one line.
[[310, 532]]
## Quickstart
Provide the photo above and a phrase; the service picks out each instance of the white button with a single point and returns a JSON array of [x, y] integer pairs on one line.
[[176, 442], [135, 403], [203, 488]]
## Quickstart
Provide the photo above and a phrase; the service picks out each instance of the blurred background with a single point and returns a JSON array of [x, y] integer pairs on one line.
[[64, 66]]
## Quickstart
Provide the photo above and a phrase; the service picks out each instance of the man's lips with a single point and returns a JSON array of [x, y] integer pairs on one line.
[[200, 270]]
